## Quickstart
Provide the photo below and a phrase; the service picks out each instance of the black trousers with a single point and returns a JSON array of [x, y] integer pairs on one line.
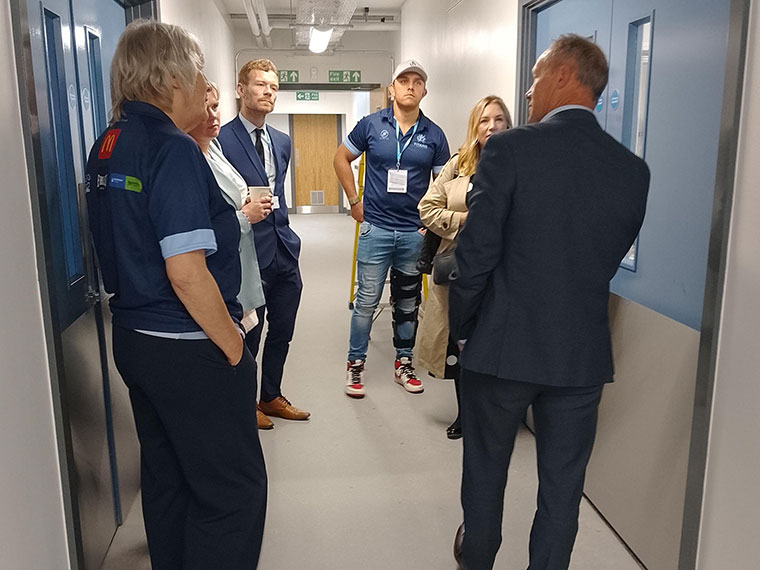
[[282, 289], [565, 424], [204, 483]]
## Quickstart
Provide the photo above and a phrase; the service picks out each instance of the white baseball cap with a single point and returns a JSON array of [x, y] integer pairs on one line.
[[410, 65]]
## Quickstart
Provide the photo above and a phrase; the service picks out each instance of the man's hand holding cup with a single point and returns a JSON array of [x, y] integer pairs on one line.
[[258, 204]]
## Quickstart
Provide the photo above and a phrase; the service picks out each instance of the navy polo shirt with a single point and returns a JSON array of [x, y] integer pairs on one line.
[[427, 152], [151, 195]]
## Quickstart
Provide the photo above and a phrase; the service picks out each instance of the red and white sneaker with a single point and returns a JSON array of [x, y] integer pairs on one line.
[[355, 378], [406, 377]]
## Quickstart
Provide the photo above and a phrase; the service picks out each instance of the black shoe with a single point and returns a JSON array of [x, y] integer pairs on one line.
[[458, 538], [454, 431]]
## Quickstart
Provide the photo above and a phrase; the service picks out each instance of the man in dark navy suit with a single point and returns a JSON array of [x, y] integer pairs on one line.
[[555, 207], [261, 154]]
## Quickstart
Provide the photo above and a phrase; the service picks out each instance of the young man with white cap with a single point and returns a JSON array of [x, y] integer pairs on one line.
[[403, 147]]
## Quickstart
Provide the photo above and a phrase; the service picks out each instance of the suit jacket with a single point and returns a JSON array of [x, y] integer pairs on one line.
[[238, 147], [554, 208]]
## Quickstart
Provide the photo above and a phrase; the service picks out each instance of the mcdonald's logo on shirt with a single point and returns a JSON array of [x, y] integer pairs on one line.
[[108, 144]]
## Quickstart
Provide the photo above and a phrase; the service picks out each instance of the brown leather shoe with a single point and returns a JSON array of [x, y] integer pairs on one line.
[[281, 408], [263, 421], [458, 539]]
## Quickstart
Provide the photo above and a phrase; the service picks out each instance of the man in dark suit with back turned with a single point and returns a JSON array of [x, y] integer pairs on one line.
[[555, 207], [261, 155]]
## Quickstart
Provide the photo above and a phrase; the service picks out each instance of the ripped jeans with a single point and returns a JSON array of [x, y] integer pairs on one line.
[[379, 250]]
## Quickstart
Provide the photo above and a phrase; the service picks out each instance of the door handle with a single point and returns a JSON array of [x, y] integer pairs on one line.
[[92, 295]]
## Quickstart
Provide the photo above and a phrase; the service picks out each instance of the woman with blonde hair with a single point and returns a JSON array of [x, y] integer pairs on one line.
[[167, 245], [443, 211], [235, 192]]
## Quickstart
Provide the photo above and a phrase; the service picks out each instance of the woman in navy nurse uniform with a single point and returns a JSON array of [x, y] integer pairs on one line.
[[167, 245]]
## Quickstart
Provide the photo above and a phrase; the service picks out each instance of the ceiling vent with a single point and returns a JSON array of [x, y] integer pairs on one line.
[[334, 14]]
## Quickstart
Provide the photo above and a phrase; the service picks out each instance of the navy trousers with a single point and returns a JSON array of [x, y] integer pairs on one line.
[[282, 289], [492, 411], [204, 483]]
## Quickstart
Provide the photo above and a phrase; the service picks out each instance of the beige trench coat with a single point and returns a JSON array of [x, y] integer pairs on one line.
[[441, 211]]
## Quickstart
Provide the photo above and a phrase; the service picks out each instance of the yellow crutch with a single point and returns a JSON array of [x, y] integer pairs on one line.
[[351, 294]]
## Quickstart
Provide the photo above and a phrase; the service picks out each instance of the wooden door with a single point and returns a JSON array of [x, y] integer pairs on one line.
[[315, 138]]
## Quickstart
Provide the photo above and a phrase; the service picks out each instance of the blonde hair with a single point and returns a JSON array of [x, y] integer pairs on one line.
[[255, 64], [149, 57], [213, 88], [469, 152]]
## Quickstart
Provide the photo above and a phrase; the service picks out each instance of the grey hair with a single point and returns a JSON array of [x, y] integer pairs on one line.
[[151, 56], [590, 64]]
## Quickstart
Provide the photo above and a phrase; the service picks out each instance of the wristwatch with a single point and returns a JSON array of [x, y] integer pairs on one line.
[[354, 201]]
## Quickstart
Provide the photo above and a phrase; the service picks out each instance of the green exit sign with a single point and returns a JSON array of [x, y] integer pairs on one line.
[[344, 76], [288, 76], [307, 95]]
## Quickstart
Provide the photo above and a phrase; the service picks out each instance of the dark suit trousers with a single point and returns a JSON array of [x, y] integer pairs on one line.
[[204, 484], [282, 289], [565, 423]]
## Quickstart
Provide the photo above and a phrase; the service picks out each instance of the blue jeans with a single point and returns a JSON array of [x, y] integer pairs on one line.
[[379, 250]]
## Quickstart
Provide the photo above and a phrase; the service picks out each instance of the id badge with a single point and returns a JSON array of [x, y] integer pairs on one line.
[[397, 181], [275, 202]]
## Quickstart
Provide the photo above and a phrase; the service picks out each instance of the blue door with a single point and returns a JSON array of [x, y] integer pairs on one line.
[[70, 93], [665, 112], [664, 99]]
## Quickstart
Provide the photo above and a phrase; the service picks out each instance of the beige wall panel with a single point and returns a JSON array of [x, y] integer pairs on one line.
[[637, 473], [314, 140]]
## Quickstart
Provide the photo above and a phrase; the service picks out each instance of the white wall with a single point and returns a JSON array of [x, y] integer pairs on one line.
[[732, 496], [469, 52], [352, 105], [375, 67], [208, 21], [32, 529]]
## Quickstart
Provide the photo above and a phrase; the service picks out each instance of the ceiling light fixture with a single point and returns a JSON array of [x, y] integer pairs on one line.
[[319, 38]]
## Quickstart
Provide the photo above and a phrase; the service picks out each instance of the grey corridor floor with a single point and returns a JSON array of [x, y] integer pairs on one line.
[[370, 484]]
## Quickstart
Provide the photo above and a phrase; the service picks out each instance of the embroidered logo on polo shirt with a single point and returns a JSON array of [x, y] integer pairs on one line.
[[108, 144], [421, 138], [384, 134], [125, 182]]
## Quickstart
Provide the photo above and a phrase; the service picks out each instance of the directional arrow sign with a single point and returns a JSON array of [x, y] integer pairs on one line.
[[307, 95], [344, 76], [288, 76]]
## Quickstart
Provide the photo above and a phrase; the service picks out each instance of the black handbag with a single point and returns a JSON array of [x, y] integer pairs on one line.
[[445, 268]]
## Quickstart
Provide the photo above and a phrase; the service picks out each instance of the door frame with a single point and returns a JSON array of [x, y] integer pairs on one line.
[[52, 328], [733, 87], [340, 208]]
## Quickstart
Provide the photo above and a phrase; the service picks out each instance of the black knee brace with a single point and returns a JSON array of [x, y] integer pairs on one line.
[[405, 287]]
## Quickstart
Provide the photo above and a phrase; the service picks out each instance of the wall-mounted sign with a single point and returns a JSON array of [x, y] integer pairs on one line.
[[600, 104], [344, 76], [72, 97], [615, 99], [288, 76], [307, 95]]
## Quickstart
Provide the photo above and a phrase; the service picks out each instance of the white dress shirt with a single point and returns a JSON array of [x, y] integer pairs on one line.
[[269, 166]]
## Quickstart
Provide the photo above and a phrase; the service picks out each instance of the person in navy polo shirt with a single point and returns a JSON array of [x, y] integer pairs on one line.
[[167, 246], [403, 147]]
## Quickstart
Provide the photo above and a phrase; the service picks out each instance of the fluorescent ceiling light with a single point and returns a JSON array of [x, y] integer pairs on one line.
[[319, 39]]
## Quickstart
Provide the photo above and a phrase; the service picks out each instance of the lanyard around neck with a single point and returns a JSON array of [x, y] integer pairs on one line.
[[399, 150]]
